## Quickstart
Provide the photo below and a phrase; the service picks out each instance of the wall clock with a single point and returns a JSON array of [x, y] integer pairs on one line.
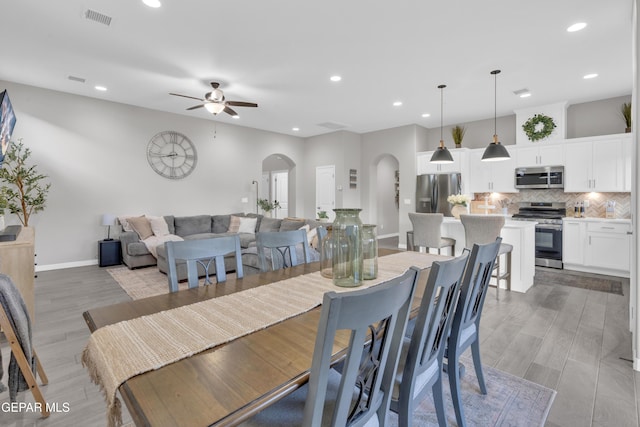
[[172, 155]]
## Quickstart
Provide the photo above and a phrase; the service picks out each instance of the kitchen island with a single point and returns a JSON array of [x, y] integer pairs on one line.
[[520, 234]]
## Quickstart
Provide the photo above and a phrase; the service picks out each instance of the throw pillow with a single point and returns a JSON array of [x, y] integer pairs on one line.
[[124, 221], [140, 225], [312, 236], [158, 225], [234, 224], [247, 225]]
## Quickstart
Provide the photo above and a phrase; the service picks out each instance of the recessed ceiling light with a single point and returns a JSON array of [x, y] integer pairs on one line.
[[100, 88], [397, 103], [236, 117], [152, 3], [335, 78], [576, 27], [426, 115], [590, 76], [522, 93], [295, 129]]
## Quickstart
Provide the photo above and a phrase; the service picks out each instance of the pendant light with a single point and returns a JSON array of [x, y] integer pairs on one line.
[[441, 155], [495, 151]]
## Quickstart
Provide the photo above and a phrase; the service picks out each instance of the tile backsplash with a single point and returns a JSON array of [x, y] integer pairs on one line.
[[596, 207]]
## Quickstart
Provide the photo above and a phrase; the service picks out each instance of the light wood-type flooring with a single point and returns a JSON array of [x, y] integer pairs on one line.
[[572, 340]]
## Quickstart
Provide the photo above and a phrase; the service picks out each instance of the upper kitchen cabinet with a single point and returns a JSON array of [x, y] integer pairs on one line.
[[424, 166], [540, 155], [496, 177], [627, 153], [595, 165]]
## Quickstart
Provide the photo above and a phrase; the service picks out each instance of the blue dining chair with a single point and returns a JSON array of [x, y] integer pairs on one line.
[[420, 372], [202, 252], [465, 330], [357, 396], [283, 248]]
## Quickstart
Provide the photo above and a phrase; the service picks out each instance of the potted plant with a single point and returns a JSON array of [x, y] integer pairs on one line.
[[626, 115], [25, 193], [268, 206], [323, 216], [457, 133]]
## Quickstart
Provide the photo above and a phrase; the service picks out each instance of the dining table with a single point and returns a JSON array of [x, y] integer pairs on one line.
[[229, 383]]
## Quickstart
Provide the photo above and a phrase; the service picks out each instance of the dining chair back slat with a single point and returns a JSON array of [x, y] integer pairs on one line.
[[202, 252]]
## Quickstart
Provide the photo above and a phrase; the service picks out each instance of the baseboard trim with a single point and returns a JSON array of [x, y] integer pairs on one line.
[[386, 236], [64, 265]]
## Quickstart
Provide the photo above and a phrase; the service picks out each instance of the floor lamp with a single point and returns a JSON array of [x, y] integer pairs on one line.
[[256, 183]]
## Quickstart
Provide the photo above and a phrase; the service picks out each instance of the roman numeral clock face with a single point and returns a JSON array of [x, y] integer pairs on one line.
[[172, 155]]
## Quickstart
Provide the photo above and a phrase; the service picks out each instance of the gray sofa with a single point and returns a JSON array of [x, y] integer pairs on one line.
[[135, 254]]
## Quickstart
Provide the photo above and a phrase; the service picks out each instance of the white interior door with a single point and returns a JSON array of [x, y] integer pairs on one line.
[[326, 190], [280, 192]]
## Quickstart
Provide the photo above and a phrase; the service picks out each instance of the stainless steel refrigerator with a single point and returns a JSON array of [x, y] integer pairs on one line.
[[432, 191]]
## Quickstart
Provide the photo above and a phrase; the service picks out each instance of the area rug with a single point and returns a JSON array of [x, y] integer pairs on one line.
[[510, 401], [142, 282], [550, 276]]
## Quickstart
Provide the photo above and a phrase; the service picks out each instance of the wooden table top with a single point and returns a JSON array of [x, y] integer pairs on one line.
[[228, 383]]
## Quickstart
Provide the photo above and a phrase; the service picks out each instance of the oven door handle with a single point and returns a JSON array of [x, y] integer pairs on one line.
[[549, 226]]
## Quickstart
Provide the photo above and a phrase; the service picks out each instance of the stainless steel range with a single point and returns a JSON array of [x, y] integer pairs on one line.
[[549, 216]]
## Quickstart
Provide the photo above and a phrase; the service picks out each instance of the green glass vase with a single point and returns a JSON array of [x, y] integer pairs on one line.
[[347, 248]]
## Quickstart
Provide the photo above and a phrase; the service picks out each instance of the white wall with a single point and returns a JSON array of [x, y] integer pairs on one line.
[[400, 143], [95, 155], [387, 210]]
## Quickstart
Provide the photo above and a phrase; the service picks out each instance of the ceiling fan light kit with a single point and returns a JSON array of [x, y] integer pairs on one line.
[[215, 102], [495, 152], [442, 154]]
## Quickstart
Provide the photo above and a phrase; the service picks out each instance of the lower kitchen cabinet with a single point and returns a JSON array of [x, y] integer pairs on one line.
[[597, 246]]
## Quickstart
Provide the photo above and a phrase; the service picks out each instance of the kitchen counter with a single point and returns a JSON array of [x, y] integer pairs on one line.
[[520, 234], [596, 219]]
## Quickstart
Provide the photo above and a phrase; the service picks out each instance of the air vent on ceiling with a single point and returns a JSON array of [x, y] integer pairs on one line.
[[98, 17], [76, 79], [332, 125]]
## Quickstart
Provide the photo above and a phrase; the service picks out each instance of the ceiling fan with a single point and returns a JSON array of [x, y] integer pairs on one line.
[[215, 101]]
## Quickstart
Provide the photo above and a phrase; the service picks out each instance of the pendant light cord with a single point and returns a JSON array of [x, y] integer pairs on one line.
[[495, 103], [441, 110]]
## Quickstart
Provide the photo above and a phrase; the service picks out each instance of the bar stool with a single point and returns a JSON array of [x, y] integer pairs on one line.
[[483, 229], [427, 232]]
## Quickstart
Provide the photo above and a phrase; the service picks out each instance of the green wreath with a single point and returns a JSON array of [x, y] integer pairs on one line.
[[529, 127]]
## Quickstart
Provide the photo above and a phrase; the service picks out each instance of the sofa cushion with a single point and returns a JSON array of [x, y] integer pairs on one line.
[[290, 224], [258, 217], [137, 248], [140, 225], [270, 224], [170, 220], [246, 239], [247, 225], [220, 223], [187, 225]]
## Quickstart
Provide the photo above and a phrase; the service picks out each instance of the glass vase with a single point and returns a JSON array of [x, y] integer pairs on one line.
[[326, 254], [347, 248], [369, 252]]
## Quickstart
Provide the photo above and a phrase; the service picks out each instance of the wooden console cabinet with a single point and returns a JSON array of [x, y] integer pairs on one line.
[[17, 262]]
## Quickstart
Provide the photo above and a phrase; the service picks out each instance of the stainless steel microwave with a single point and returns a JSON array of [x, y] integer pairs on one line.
[[540, 177]]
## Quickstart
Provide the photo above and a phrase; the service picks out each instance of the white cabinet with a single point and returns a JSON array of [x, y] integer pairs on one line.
[[594, 166], [496, 177], [546, 155], [597, 246], [627, 154], [573, 235]]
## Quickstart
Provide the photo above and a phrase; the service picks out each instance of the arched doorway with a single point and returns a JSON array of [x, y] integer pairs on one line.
[[278, 183], [385, 195]]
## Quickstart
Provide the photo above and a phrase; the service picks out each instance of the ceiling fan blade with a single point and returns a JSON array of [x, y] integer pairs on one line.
[[215, 85], [195, 107], [241, 104], [230, 111], [186, 96]]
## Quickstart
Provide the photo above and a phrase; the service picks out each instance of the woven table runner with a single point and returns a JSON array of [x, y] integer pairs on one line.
[[123, 350]]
